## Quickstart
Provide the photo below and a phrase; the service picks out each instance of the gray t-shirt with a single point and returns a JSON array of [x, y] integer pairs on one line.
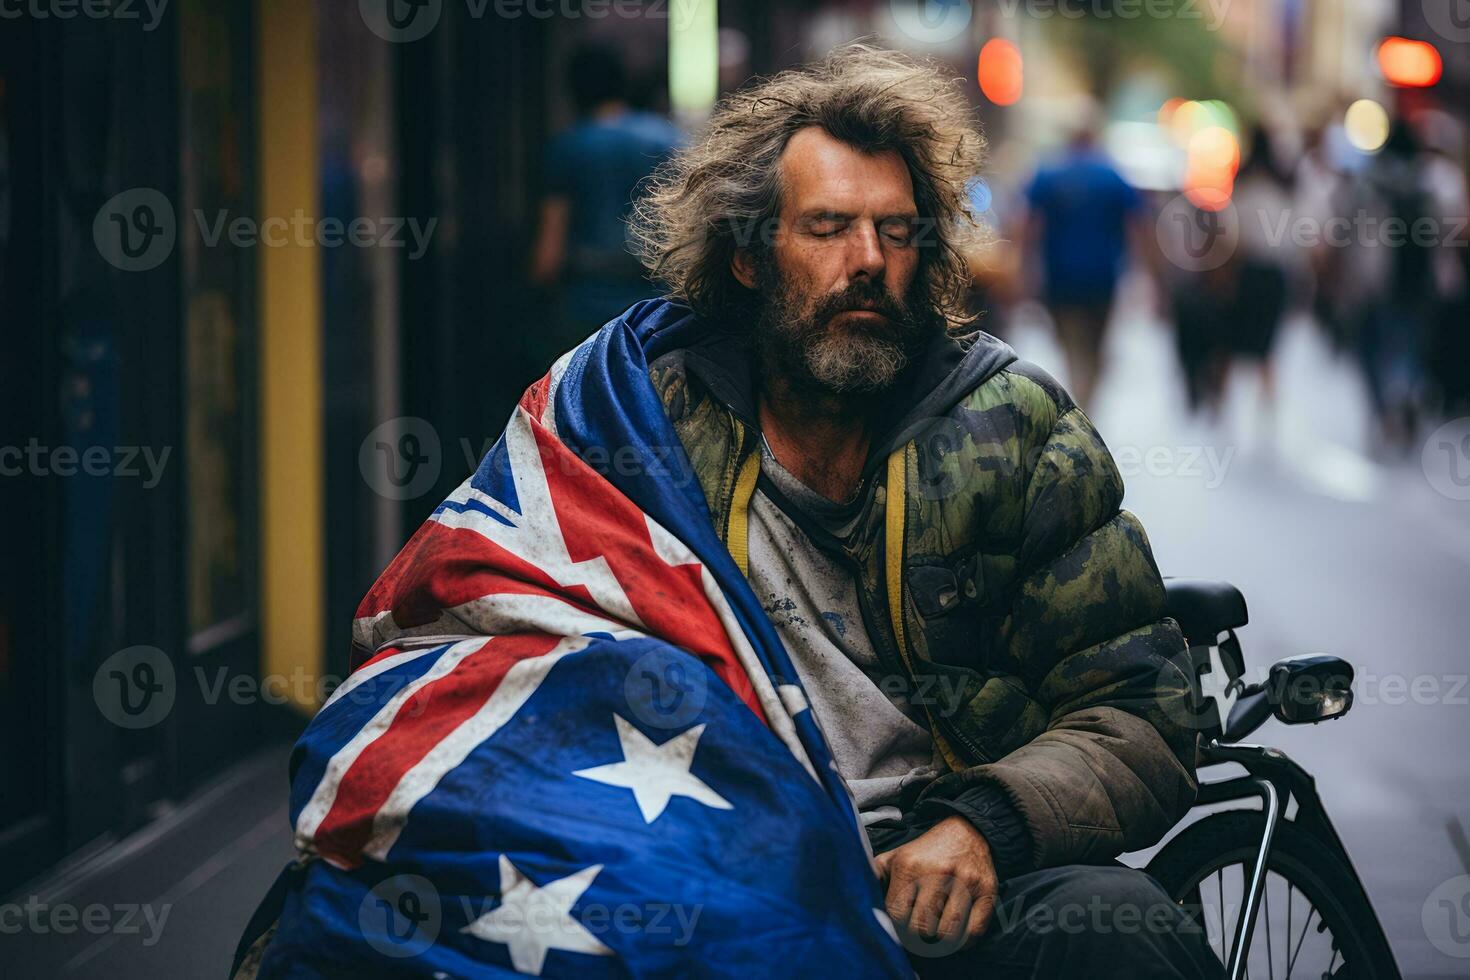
[[880, 742]]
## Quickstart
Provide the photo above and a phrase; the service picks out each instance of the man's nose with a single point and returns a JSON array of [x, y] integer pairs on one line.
[[865, 253]]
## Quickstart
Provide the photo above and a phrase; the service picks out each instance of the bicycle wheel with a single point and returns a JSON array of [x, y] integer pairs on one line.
[[1314, 919]]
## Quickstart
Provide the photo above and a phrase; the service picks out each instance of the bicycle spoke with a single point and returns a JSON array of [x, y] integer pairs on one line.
[[1245, 891], [1270, 956], [1224, 936], [1289, 888], [1297, 952]]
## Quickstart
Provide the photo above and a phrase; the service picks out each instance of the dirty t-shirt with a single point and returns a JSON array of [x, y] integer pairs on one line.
[[882, 748]]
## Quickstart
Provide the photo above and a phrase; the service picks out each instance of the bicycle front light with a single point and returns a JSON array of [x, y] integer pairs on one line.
[[1310, 688]]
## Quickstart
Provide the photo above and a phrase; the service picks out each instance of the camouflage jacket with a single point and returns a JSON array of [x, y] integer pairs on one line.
[[1020, 604]]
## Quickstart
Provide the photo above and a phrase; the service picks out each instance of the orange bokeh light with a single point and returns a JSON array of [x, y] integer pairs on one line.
[[999, 71], [1167, 110], [1409, 64], [1214, 158]]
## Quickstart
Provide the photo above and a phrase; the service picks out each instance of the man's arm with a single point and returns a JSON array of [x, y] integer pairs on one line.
[[1086, 634]]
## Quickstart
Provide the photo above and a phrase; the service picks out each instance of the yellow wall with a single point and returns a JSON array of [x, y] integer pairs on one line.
[[291, 457]]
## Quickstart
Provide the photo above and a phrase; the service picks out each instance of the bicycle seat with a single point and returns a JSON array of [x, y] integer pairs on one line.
[[1204, 609]]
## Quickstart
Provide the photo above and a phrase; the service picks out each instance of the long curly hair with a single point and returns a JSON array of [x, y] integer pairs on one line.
[[723, 190]]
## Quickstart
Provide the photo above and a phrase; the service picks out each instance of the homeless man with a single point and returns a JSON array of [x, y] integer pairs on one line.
[[932, 525]]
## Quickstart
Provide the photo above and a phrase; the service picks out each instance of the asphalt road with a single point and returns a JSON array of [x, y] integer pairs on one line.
[[1337, 550]]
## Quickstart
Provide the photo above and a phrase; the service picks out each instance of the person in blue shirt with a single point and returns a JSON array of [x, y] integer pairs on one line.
[[1081, 221], [591, 172]]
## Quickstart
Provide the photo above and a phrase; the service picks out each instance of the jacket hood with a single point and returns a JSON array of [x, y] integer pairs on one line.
[[948, 370]]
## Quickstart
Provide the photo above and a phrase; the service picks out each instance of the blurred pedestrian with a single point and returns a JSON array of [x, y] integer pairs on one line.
[[1082, 217], [1202, 306], [1389, 268], [1448, 353], [592, 170], [1263, 263], [1317, 183]]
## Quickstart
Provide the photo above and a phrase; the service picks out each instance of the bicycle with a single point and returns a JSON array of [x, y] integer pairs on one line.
[[1298, 856]]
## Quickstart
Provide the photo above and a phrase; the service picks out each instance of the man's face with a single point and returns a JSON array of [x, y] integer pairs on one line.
[[840, 307]]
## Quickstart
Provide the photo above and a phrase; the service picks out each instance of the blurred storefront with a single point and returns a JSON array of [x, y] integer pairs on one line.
[[193, 364]]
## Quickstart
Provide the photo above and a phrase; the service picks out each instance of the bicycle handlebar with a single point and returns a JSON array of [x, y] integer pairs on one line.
[[1250, 711]]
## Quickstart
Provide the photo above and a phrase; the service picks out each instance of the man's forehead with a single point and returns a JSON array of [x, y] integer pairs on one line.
[[821, 173]]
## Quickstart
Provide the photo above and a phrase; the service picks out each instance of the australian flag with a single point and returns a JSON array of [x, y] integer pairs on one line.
[[573, 744]]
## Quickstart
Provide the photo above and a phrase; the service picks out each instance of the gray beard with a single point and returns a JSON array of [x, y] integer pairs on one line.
[[802, 350], [855, 364]]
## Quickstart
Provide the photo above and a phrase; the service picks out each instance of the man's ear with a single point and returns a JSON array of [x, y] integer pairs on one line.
[[742, 267]]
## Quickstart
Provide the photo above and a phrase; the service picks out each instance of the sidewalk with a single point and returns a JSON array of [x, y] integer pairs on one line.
[[168, 902]]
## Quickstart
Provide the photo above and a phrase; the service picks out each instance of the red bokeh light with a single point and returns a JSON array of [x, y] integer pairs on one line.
[[1409, 64], [999, 71]]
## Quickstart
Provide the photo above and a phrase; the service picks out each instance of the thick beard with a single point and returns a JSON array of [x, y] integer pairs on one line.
[[804, 350]]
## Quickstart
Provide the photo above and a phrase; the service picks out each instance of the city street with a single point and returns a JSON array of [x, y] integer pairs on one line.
[[1335, 553]]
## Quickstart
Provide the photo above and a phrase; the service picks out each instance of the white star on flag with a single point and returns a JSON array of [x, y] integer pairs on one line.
[[655, 773], [533, 921]]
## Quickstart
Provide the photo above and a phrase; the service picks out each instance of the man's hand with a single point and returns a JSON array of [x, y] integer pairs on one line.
[[941, 887]]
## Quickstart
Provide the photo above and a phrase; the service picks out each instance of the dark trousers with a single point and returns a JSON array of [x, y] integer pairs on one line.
[[1082, 921]]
